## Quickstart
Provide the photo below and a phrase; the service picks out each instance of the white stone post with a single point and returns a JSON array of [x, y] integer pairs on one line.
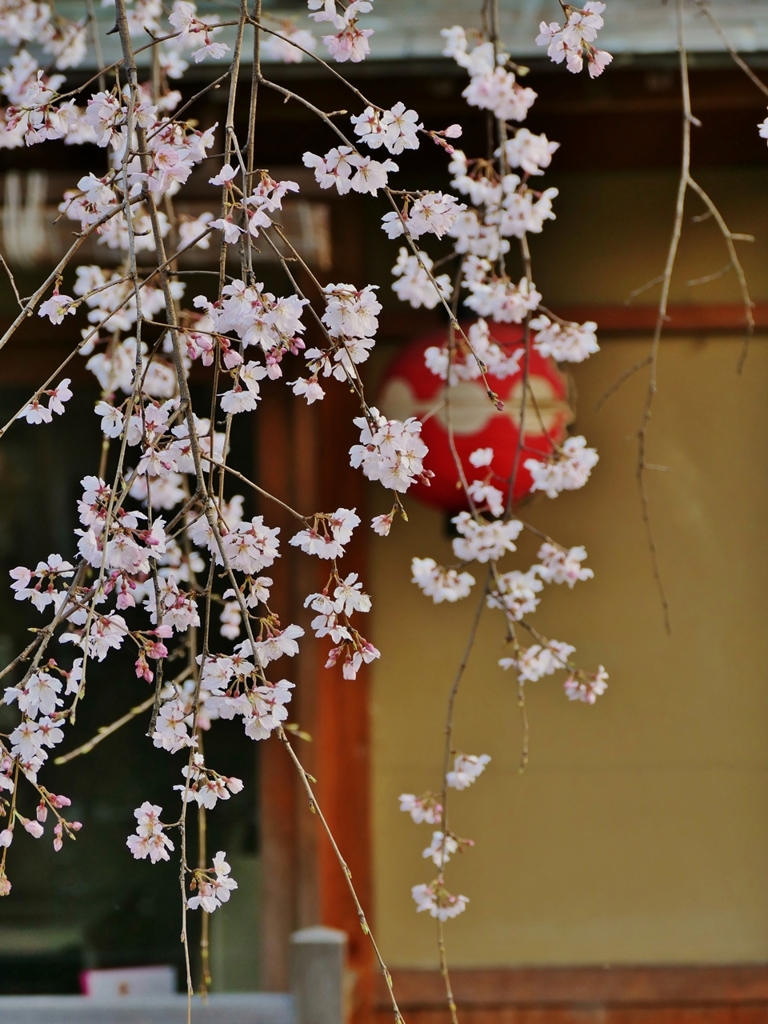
[[318, 963]]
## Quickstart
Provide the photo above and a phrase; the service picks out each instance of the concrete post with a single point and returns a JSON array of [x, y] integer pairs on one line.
[[318, 961]]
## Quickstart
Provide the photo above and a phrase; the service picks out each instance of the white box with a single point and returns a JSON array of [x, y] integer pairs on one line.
[[120, 982]]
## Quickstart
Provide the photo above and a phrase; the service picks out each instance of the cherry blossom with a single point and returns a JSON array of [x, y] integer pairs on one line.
[[34, 828], [438, 583], [171, 729], [264, 709], [328, 538], [57, 307], [213, 887], [183, 18], [425, 808], [481, 457], [149, 839], [382, 524], [161, 546], [309, 389], [466, 769], [392, 453], [111, 419], [573, 41], [396, 129], [38, 695], [441, 849], [498, 298], [531, 153], [350, 42], [278, 643], [435, 899], [433, 213], [561, 565], [285, 46], [59, 395], [586, 688], [538, 661], [567, 470], [565, 342], [349, 171], [210, 49], [414, 284], [34, 412], [467, 361], [205, 786], [515, 593], [484, 541]]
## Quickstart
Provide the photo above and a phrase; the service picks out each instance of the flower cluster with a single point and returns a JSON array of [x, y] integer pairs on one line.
[[433, 897], [537, 661], [493, 86], [438, 583], [572, 42], [471, 357], [466, 769], [586, 688], [205, 786], [567, 469], [149, 840], [162, 544], [334, 607], [395, 129], [36, 412], [390, 451], [565, 342], [348, 171], [349, 42], [213, 887]]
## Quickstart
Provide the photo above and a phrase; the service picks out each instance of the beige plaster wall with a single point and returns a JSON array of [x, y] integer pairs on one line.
[[612, 231], [639, 832]]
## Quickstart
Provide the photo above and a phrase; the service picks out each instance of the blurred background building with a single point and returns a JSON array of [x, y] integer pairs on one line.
[[622, 878]]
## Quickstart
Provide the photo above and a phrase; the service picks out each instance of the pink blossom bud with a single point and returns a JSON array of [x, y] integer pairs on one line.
[[234, 785], [157, 650], [5, 886], [453, 131], [232, 359], [42, 811], [142, 669], [6, 837], [59, 801], [75, 825], [34, 828], [163, 631]]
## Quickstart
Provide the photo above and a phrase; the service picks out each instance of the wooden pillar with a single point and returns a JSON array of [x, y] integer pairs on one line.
[[303, 459], [277, 783]]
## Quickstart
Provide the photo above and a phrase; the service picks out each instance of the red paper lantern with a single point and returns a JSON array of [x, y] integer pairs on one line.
[[411, 389]]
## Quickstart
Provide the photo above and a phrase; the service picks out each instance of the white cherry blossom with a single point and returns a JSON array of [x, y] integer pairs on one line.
[[438, 902], [466, 769], [439, 583], [425, 808], [567, 470], [562, 565], [586, 688], [565, 342], [149, 839]]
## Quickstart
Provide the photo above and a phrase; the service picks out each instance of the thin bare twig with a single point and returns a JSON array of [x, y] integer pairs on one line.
[[704, 7]]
